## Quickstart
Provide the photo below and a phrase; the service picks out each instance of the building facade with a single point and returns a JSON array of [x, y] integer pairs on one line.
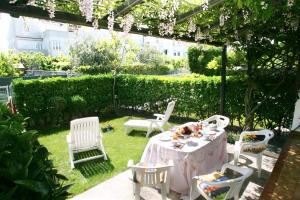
[[51, 38]]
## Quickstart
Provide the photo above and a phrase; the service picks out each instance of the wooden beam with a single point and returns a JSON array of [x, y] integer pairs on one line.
[[183, 17], [63, 17], [126, 7], [223, 80]]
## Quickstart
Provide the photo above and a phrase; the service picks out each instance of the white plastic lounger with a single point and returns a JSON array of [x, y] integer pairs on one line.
[[151, 124]]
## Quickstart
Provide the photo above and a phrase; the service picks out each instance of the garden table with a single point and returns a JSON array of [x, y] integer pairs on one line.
[[197, 157]]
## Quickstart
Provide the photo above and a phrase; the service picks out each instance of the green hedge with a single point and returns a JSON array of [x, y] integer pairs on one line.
[[57, 100], [196, 96]]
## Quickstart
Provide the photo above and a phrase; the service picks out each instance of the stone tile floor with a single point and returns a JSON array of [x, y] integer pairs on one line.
[[120, 186]]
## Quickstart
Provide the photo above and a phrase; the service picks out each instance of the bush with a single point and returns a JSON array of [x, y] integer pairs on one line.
[[78, 105], [25, 169], [200, 57], [144, 69], [7, 66], [32, 97], [197, 96]]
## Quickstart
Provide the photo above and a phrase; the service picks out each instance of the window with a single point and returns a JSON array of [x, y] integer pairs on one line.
[[166, 51], [174, 53], [178, 53]]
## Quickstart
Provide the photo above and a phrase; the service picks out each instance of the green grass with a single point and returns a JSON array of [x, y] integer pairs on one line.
[[119, 147]]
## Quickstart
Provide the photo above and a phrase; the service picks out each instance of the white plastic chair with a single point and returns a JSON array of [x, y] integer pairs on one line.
[[239, 147], [233, 185], [151, 124], [158, 176], [85, 135], [221, 121]]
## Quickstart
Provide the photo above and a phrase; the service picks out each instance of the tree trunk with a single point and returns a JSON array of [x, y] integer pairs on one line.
[[249, 121], [223, 80]]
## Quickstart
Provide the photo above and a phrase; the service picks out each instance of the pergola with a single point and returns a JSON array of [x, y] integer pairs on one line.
[[71, 15]]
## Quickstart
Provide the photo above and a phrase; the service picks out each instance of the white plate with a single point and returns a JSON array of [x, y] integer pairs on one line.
[[165, 138], [207, 132]]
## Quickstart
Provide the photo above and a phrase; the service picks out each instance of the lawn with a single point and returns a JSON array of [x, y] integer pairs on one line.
[[119, 147]]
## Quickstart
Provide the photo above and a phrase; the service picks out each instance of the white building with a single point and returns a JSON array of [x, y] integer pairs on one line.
[[51, 38]]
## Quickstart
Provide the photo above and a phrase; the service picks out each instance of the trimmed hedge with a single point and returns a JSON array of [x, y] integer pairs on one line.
[[196, 96], [53, 101], [57, 100]]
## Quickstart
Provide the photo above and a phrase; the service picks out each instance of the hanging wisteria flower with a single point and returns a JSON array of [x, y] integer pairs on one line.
[[31, 2], [175, 4], [13, 1], [236, 35], [222, 19], [167, 16], [192, 26], [127, 23], [95, 24], [164, 2], [51, 8], [290, 3], [166, 28], [198, 35], [205, 5], [111, 21], [86, 7]]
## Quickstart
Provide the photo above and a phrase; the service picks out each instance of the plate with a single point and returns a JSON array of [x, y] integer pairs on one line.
[[207, 132], [165, 138]]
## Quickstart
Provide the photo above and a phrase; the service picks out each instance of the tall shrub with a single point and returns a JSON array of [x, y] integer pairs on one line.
[[200, 57], [25, 169]]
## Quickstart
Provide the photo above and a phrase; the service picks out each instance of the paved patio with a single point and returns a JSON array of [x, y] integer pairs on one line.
[[119, 187]]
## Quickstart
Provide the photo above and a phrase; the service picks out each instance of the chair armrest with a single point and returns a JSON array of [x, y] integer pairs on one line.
[[68, 137], [130, 163], [242, 170], [221, 184], [159, 116]]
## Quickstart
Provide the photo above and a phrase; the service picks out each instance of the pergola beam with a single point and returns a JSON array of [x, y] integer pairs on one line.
[[63, 17], [126, 7], [183, 17]]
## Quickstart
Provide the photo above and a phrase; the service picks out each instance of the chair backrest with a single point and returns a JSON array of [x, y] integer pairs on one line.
[[266, 132], [221, 120], [169, 111], [85, 132], [237, 183], [150, 176]]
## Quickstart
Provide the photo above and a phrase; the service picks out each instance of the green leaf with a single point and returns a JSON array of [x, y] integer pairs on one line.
[[33, 185]]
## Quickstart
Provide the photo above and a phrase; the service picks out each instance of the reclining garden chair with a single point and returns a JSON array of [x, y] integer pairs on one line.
[[217, 183], [151, 124], [252, 148], [85, 135], [157, 176], [221, 121]]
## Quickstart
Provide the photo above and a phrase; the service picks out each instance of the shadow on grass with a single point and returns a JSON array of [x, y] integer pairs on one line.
[[138, 133], [93, 167]]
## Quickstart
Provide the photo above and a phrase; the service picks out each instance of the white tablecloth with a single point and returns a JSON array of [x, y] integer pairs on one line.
[[189, 161]]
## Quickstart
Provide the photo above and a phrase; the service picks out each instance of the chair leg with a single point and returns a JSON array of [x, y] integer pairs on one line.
[[71, 156], [127, 130], [236, 158], [103, 150], [259, 163], [137, 190], [149, 132], [164, 191]]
